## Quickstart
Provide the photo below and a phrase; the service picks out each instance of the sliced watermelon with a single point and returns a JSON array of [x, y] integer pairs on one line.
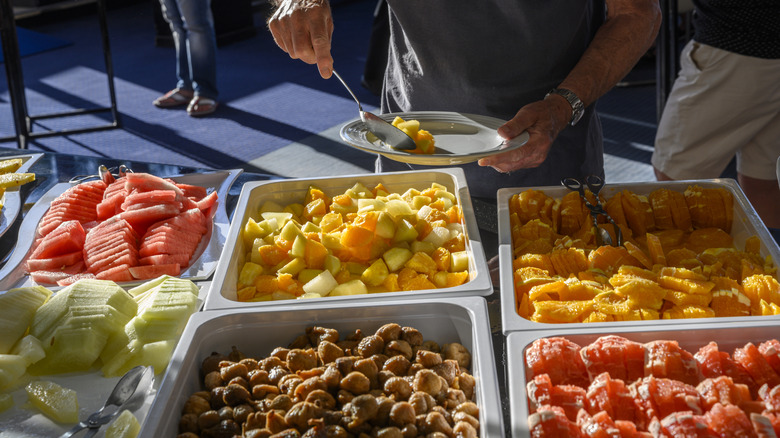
[[154, 271], [125, 258], [67, 281], [48, 277], [209, 201], [116, 187], [66, 238], [110, 206], [163, 259], [145, 182], [53, 263], [150, 214], [116, 241], [195, 192], [117, 273], [152, 196], [163, 247]]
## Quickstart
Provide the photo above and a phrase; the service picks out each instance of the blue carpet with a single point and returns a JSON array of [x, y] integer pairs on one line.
[[31, 42]]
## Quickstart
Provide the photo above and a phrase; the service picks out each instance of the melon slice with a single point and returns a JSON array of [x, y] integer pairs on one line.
[[17, 308], [58, 403]]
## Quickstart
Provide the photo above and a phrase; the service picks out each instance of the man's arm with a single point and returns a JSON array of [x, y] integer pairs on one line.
[[628, 32], [303, 29]]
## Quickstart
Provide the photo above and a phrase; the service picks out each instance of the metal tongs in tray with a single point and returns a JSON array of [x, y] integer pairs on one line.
[[129, 393], [104, 173], [595, 184]]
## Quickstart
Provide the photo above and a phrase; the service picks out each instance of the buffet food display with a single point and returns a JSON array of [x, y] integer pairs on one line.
[[354, 305], [690, 250], [402, 235]]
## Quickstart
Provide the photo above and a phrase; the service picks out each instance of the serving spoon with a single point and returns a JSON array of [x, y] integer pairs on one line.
[[392, 136]]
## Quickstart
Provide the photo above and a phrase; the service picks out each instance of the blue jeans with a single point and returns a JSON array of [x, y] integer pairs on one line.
[[192, 26]]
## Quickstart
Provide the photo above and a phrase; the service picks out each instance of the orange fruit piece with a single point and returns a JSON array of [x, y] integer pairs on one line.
[[639, 214], [610, 258], [573, 213], [568, 261], [656, 249], [753, 245], [638, 254], [710, 207], [662, 204], [728, 298], [355, 236], [561, 311], [682, 258], [614, 208], [266, 284], [704, 238], [314, 254], [532, 204], [761, 287], [541, 261]]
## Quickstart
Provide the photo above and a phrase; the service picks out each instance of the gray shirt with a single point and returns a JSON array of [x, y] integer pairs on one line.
[[491, 57]]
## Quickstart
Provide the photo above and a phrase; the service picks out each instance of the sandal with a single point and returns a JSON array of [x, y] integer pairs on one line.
[[201, 106], [174, 98]]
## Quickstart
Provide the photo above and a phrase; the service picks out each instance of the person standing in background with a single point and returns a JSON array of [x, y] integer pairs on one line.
[[726, 102], [192, 27]]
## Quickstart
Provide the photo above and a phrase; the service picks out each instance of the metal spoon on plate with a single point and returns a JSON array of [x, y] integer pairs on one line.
[[383, 130], [126, 395]]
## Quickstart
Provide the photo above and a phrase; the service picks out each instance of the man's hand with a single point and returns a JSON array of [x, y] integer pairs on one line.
[[303, 29], [543, 120]]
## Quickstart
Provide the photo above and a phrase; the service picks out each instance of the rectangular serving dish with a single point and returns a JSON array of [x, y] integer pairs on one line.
[[92, 390], [689, 336], [13, 274], [257, 331], [746, 223], [12, 198], [254, 194]]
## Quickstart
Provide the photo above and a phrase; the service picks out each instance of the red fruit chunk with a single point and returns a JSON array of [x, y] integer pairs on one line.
[[611, 396], [551, 422], [153, 271], [560, 359], [756, 365], [665, 359], [599, 425], [68, 237], [542, 392], [723, 390], [54, 263], [729, 421], [714, 363], [657, 398], [621, 358], [771, 351], [682, 424]]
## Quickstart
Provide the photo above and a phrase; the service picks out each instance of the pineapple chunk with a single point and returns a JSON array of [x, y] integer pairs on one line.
[[12, 165], [12, 367], [375, 274], [58, 403], [15, 179], [396, 257], [321, 285], [124, 426], [352, 287], [30, 348]]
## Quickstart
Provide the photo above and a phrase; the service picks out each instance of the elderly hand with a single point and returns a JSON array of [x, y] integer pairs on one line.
[[303, 29], [543, 120]]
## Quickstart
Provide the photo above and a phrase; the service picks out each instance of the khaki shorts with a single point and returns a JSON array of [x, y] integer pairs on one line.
[[721, 105]]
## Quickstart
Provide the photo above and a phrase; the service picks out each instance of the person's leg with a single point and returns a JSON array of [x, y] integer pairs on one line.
[[201, 46], [764, 195], [172, 15]]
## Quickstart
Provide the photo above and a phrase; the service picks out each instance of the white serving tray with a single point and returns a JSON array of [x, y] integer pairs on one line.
[[12, 199], [92, 390], [256, 332], [746, 223], [691, 337], [254, 194], [206, 256]]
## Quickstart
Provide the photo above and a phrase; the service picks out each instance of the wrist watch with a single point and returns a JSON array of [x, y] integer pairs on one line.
[[577, 107]]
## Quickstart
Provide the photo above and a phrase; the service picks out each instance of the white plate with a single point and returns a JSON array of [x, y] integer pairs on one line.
[[206, 254], [12, 200], [460, 138]]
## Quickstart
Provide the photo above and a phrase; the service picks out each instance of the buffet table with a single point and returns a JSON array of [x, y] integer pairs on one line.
[[53, 168]]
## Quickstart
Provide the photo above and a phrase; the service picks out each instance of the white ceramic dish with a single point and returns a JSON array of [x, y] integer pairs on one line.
[[746, 223], [206, 255], [254, 194], [256, 332], [460, 138], [12, 200], [690, 337]]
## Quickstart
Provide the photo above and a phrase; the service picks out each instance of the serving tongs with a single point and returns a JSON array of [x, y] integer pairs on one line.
[[389, 134], [595, 183], [128, 394], [104, 173]]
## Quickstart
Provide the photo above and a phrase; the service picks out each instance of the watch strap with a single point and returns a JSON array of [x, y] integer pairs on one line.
[[577, 107]]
